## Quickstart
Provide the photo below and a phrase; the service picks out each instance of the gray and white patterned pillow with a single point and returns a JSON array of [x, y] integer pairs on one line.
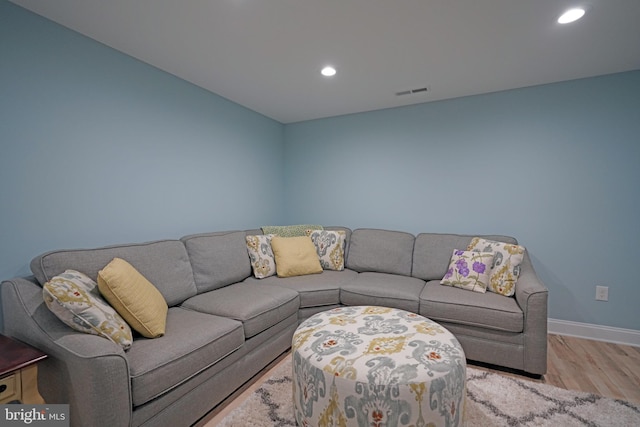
[[505, 268], [263, 262], [330, 248], [75, 299]]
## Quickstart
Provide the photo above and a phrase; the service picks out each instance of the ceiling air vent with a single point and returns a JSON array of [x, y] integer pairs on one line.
[[414, 91]]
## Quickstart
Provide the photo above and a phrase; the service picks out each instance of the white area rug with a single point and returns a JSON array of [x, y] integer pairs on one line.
[[492, 400]]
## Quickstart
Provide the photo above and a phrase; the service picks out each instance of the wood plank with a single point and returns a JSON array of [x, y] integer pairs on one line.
[[607, 369]]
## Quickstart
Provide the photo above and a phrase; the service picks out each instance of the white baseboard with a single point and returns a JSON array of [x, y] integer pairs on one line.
[[594, 332]]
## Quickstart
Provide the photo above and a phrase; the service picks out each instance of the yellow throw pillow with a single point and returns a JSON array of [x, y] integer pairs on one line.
[[295, 256], [134, 298]]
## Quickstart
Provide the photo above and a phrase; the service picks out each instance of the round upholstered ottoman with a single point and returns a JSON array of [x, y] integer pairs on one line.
[[376, 366]]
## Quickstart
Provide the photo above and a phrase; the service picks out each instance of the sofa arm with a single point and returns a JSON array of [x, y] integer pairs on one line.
[[532, 295], [81, 369]]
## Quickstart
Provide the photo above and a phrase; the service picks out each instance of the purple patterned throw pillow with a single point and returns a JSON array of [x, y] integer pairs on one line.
[[469, 270]]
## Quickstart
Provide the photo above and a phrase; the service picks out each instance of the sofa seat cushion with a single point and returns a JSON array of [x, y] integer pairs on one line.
[[383, 289], [192, 342], [315, 289], [257, 307], [453, 305]]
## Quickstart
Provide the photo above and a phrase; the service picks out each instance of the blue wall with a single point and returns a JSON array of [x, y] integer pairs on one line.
[[99, 148], [557, 166]]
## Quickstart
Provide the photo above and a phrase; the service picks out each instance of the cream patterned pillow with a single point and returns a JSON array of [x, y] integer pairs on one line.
[[262, 260], [74, 298], [505, 268], [330, 248], [469, 270]]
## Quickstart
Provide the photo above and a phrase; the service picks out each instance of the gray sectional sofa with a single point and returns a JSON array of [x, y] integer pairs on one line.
[[224, 325]]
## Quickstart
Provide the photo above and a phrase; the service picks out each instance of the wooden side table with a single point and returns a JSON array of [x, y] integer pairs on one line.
[[19, 372]]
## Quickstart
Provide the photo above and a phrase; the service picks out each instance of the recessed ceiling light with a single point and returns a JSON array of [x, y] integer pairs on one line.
[[571, 15], [328, 71]]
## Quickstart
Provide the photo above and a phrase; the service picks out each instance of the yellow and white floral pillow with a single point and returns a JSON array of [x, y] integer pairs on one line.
[[262, 260], [75, 299], [330, 248], [505, 268]]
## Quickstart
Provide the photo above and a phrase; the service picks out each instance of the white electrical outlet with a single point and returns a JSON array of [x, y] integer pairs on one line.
[[602, 293]]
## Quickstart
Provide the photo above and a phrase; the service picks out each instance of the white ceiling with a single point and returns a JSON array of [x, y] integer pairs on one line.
[[267, 54]]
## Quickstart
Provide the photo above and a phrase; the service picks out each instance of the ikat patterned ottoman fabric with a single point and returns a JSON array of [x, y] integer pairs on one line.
[[368, 366]]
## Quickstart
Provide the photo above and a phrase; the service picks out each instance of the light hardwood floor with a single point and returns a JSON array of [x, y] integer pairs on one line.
[[598, 367], [607, 369]]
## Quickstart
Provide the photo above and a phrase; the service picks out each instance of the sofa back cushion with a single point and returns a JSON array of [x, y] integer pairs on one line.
[[218, 259], [432, 252], [380, 251], [164, 263]]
